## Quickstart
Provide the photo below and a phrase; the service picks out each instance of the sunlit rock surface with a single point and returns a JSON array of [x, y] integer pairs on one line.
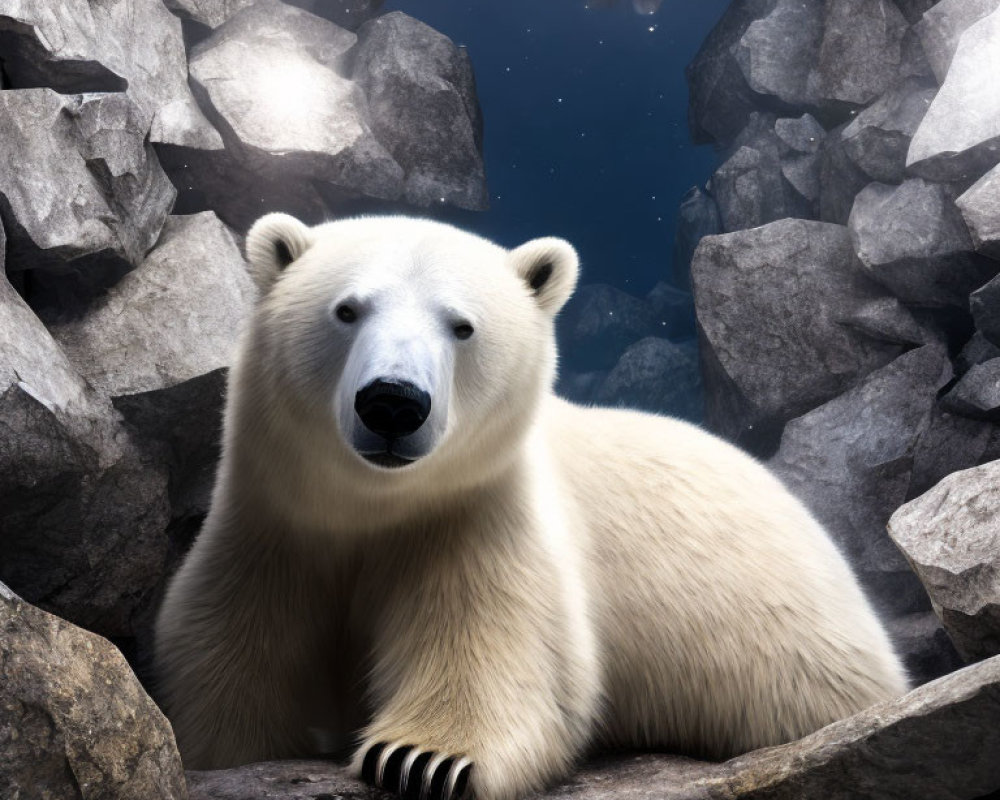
[[786, 314], [937, 741], [74, 721], [912, 239], [114, 45], [174, 318], [79, 183], [980, 207], [348, 14], [851, 462], [942, 25], [959, 138], [951, 535]]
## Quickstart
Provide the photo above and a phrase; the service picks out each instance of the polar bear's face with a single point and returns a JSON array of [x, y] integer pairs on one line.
[[415, 341]]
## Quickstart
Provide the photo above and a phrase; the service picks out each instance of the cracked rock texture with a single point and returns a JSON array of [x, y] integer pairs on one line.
[[74, 721], [940, 740], [951, 536]]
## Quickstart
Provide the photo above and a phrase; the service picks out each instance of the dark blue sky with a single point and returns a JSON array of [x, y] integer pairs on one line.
[[585, 123]]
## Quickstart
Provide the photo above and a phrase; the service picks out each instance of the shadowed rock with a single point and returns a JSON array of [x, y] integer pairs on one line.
[[114, 45], [599, 322], [980, 207], [977, 394], [673, 312], [937, 741], [172, 319], [786, 312], [655, 375], [959, 138], [951, 536], [851, 462], [922, 642], [75, 722], [912, 239], [949, 443], [985, 306], [942, 26], [80, 190], [697, 217]]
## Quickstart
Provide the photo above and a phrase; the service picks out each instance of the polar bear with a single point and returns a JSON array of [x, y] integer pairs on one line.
[[417, 551]]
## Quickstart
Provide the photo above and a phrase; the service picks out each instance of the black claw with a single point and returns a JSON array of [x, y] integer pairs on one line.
[[463, 782], [439, 780], [416, 777], [371, 761], [393, 764]]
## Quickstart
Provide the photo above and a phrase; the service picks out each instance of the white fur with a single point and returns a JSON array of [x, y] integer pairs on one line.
[[545, 577]]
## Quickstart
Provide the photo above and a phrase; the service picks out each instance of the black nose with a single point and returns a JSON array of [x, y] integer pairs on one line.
[[392, 409]]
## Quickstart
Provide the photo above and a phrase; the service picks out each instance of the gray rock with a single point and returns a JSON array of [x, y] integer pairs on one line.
[[959, 138], [803, 134], [861, 54], [977, 350], [779, 309], [423, 109], [82, 513], [114, 45], [172, 319], [840, 178], [599, 322], [940, 740], [949, 443], [878, 138], [977, 394], [951, 536], [912, 239], [350, 14], [777, 51], [721, 102], [980, 207], [913, 10], [697, 217], [851, 462], [942, 27], [985, 306], [656, 375], [923, 644], [80, 187], [75, 722]]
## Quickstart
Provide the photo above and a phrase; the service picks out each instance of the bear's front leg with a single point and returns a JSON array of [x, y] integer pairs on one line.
[[484, 676]]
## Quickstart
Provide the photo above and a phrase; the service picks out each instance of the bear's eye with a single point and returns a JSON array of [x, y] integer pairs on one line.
[[346, 314], [463, 330]]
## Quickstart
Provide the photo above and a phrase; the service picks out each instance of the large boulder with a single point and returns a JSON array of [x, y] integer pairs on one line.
[[789, 320], [959, 138], [938, 741], [980, 207], [81, 190], [174, 318], [317, 117], [134, 46], [851, 462], [951, 536], [82, 511], [912, 239], [655, 375], [941, 27], [74, 721]]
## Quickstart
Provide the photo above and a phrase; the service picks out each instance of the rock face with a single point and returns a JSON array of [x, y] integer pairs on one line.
[[985, 306], [959, 138], [787, 319], [951, 536], [980, 207], [134, 340], [912, 239], [945, 727], [851, 462], [80, 186], [942, 25], [601, 322], [74, 721], [348, 14], [313, 114], [655, 375], [697, 217], [115, 45]]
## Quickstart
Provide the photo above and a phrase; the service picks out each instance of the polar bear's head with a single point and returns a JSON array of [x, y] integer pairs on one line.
[[418, 342]]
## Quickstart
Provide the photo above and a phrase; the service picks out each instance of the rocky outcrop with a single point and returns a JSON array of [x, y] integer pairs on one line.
[[74, 721], [951, 536], [946, 727], [655, 375]]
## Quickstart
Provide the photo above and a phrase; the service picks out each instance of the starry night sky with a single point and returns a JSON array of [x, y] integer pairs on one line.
[[585, 124]]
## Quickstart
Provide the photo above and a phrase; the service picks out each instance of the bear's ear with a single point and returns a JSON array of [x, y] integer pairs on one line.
[[549, 268], [274, 242]]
